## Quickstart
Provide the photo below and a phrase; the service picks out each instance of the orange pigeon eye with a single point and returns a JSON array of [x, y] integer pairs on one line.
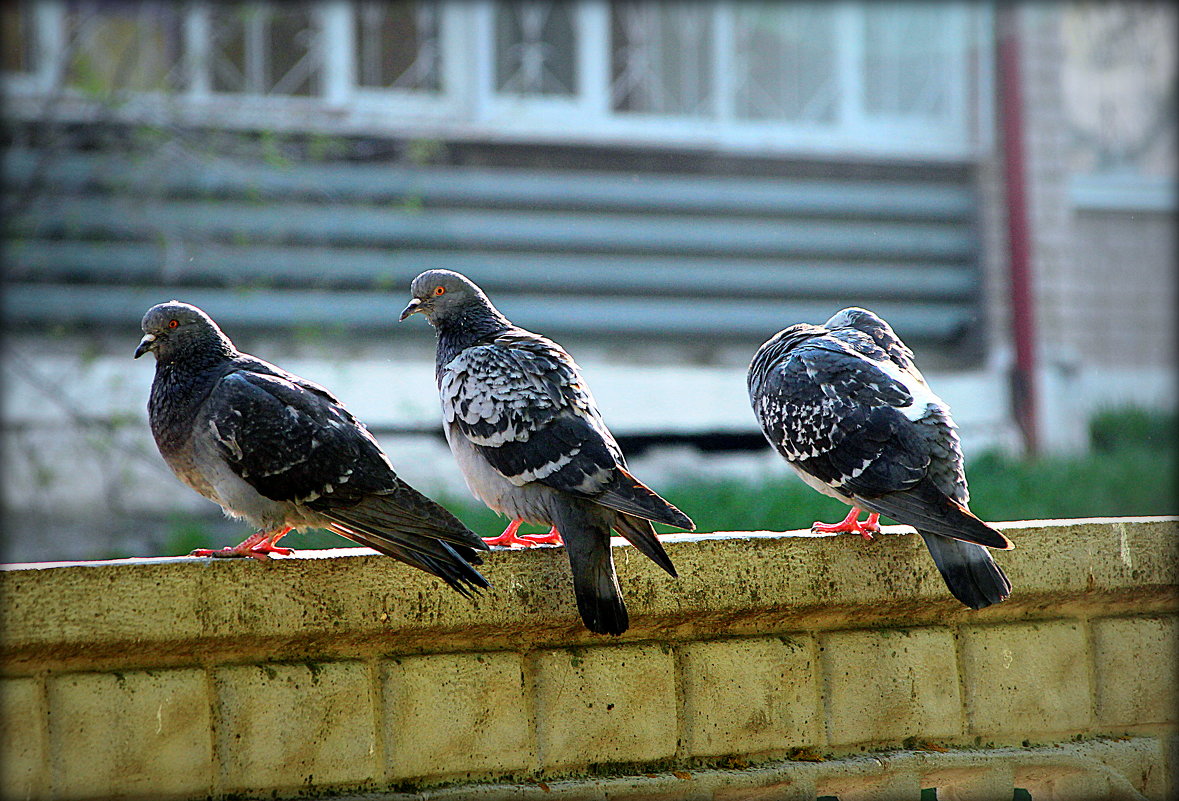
[[439, 290], [173, 323]]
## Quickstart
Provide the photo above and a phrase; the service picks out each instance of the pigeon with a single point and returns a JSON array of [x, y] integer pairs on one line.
[[846, 406], [528, 439], [284, 453]]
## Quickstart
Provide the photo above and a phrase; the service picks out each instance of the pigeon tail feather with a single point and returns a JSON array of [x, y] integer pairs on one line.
[[928, 509], [640, 534], [595, 583], [628, 495], [454, 567], [968, 570], [402, 513]]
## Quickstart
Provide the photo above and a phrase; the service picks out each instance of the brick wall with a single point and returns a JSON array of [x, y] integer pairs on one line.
[[775, 667], [1104, 286], [1123, 292]]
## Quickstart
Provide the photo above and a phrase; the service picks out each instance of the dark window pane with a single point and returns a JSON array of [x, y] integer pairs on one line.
[[264, 49], [17, 31], [535, 48], [133, 46], [398, 45]]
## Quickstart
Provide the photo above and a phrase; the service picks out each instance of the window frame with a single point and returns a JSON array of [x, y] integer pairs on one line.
[[468, 107]]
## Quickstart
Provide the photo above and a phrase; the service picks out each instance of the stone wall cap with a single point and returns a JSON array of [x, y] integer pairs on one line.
[[353, 601]]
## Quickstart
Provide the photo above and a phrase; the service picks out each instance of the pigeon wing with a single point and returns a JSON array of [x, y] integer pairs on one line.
[[835, 415], [521, 401], [293, 443], [288, 443]]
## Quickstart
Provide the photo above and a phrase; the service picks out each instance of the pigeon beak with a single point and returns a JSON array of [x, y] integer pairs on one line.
[[145, 344], [415, 305]]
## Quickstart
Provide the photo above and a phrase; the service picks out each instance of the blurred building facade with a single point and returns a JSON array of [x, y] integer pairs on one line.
[[661, 186]]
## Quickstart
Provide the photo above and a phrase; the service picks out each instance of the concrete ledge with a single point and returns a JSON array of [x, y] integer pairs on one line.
[[343, 671], [352, 601]]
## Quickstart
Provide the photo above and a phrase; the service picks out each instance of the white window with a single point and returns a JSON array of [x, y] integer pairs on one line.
[[1119, 75], [856, 76]]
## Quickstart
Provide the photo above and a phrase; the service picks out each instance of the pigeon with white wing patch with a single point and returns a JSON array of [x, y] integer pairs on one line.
[[846, 406], [528, 438]]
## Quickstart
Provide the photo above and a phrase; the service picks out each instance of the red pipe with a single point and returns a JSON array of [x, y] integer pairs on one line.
[[1023, 328]]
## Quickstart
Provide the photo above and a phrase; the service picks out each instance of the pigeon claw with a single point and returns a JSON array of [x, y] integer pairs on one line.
[[510, 538], [222, 553], [552, 538], [258, 545], [265, 549], [851, 525]]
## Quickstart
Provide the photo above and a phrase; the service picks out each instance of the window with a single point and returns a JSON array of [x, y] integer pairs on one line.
[[661, 58], [263, 49], [785, 62], [1119, 78], [535, 48], [398, 45], [890, 77], [16, 28]]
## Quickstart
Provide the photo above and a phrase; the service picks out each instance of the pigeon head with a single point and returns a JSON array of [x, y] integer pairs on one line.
[[854, 317], [174, 328], [449, 299]]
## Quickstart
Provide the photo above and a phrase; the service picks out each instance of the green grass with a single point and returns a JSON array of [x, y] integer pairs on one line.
[[1131, 470]]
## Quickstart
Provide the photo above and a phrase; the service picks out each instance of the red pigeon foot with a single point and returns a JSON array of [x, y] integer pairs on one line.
[[851, 525], [552, 538], [258, 545], [509, 538]]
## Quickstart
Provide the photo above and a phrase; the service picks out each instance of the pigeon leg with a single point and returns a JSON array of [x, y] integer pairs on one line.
[[870, 526], [268, 546], [552, 538], [509, 538], [851, 525], [258, 545]]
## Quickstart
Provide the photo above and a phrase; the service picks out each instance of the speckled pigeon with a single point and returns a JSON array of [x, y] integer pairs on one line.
[[283, 453], [528, 438], [846, 406]]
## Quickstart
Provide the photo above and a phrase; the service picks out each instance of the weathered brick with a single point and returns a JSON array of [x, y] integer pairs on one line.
[[1025, 678], [1140, 761], [1136, 671], [798, 790], [605, 704], [1063, 783], [983, 783], [23, 772], [139, 734], [1170, 777], [745, 696], [295, 725], [456, 712], [895, 785], [886, 685]]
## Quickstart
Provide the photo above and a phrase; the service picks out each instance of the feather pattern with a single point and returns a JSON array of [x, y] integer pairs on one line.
[[528, 437], [521, 401], [846, 406]]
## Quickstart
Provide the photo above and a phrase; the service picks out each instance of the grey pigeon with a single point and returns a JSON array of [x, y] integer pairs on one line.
[[283, 453], [528, 438], [846, 406]]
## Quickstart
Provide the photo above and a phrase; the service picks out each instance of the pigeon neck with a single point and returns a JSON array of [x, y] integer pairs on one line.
[[469, 327], [197, 357]]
